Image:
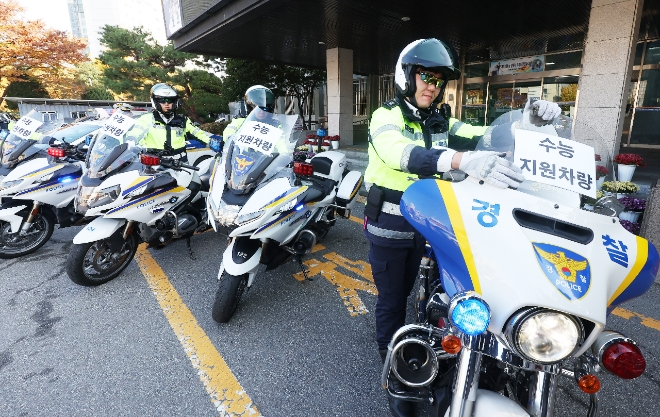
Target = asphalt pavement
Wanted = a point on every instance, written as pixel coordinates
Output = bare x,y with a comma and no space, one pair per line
145,344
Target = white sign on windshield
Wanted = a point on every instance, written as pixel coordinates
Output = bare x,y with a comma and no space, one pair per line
25,127
258,136
118,125
556,161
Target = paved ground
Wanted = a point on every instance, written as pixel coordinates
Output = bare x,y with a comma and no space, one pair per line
145,344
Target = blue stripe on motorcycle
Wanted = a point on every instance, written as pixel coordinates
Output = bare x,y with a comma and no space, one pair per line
146,197
641,276
431,208
135,187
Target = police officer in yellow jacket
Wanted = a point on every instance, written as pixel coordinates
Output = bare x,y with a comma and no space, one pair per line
410,137
255,96
162,128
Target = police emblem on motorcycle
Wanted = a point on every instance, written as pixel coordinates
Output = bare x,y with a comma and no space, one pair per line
567,270
242,164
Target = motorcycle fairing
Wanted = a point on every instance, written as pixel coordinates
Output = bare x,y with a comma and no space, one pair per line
100,228
9,213
139,200
481,247
139,182
640,277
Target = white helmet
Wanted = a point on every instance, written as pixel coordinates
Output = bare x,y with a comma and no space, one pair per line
431,54
163,93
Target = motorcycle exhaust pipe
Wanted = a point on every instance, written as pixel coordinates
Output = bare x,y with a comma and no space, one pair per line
305,242
411,355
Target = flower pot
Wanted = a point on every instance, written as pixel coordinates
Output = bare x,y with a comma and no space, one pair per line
631,216
626,172
325,147
599,182
311,148
335,144
621,195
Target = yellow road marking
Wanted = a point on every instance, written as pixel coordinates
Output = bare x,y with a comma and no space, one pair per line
346,286
646,321
227,395
357,220
317,247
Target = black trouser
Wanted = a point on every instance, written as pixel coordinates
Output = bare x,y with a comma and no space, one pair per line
394,270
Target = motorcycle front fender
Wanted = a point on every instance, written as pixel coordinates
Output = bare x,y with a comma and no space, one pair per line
9,213
241,256
99,229
491,404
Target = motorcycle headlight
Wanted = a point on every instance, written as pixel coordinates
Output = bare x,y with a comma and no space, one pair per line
226,214
248,217
544,336
104,196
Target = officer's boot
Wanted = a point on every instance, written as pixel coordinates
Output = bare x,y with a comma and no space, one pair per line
398,407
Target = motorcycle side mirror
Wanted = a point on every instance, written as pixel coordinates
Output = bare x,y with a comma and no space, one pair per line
609,206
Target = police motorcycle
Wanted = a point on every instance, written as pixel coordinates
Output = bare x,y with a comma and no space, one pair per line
39,174
271,207
133,194
516,286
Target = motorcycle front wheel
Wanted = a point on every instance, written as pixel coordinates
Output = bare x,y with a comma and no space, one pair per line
228,295
13,245
95,263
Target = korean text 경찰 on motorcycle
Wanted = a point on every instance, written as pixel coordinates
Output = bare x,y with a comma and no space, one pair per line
516,286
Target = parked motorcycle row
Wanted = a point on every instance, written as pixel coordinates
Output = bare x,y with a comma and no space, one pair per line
514,291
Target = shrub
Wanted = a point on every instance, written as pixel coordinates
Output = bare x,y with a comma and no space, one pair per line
633,204
601,171
624,187
630,159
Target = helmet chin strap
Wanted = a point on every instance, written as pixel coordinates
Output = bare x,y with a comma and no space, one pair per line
165,118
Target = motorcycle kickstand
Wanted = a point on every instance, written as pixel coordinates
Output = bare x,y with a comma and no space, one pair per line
192,255
302,267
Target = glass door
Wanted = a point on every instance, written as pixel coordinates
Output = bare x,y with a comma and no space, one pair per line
500,100
524,90
474,104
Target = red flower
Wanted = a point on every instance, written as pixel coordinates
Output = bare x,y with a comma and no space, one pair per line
630,159
597,157
601,171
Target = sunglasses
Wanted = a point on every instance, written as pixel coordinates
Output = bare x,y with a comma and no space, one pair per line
168,100
431,79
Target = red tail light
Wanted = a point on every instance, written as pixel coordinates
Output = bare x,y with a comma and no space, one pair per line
56,152
624,360
149,160
302,168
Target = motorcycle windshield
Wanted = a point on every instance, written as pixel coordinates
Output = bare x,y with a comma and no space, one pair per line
72,133
27,130
110,152
264,141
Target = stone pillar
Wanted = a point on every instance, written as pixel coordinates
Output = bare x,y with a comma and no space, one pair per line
606,67
340,94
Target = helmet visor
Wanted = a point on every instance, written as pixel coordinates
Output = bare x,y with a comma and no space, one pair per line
432,54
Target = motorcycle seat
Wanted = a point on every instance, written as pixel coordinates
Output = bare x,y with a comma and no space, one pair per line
205,180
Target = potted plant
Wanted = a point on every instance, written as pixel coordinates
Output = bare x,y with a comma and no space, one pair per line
601,173
633,208
325,145
627,162
311,142
632,227
619,188
334,141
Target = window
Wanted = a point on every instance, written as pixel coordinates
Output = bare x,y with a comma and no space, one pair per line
652,53
48,116
359,95
562,61
476,70
78,114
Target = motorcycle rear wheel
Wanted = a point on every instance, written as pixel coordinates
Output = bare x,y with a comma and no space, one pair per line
229,294
94,263
13,245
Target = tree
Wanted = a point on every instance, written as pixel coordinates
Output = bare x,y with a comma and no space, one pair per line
97,93
134,62
28,88
203,91
29,50
300,83
281,79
